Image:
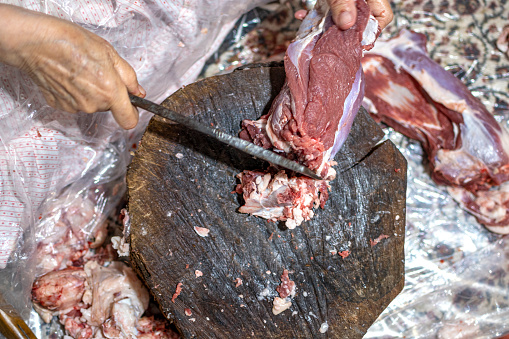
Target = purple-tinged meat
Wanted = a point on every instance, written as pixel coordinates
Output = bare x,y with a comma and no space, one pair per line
311,117
467,148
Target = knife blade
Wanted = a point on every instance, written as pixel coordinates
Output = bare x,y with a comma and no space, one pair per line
238,143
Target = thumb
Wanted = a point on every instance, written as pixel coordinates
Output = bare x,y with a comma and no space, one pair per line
344,13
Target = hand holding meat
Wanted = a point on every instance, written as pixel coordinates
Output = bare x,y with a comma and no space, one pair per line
75,69
344,12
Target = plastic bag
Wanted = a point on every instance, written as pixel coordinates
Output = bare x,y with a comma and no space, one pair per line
44,151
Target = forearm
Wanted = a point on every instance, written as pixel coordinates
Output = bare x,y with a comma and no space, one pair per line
17,24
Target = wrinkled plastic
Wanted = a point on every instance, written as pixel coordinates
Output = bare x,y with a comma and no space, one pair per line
49,155
457,272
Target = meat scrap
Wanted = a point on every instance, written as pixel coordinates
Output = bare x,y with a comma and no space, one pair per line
344,254
201,231
68,232
468,150
503,40
177,292
286,291
238,282
311,117
287,287
97,301
280,305
378,239
59,290
274,196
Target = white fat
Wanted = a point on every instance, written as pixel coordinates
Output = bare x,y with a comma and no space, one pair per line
107,286
274,139
120,245
281,305
324,327
369,106
369,34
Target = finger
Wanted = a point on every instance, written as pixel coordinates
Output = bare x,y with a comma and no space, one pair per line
381,10
344,13
128,76
125,114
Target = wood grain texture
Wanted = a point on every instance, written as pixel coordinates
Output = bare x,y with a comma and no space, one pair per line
180,179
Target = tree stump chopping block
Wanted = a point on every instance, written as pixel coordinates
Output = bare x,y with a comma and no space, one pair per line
347,262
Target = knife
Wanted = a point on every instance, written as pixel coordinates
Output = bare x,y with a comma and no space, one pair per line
238,143
12,325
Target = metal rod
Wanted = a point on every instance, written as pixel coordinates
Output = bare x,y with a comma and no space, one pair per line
238,143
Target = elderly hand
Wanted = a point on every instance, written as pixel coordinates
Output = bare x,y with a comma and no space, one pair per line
344,12
75,69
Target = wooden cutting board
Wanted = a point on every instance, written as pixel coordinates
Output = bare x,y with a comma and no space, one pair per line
179,179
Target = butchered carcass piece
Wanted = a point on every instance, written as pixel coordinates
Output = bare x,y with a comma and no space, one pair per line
467,148
67,232
59,290
311,117
274,196
116,294
97,301
150,328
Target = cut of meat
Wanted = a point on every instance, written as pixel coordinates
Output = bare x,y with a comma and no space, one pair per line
467,148
311,117
490,207
98,302
59,290
274,196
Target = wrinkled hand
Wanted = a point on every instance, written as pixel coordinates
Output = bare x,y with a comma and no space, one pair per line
344,12
75,69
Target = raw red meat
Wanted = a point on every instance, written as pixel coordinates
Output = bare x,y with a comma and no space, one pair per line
467,148
311,117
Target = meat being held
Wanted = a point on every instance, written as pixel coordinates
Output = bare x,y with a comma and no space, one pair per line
468,150
311,117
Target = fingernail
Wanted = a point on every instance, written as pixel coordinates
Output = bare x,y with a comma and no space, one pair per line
345,19
142,91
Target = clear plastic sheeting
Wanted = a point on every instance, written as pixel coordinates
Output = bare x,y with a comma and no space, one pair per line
46,154
457,272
